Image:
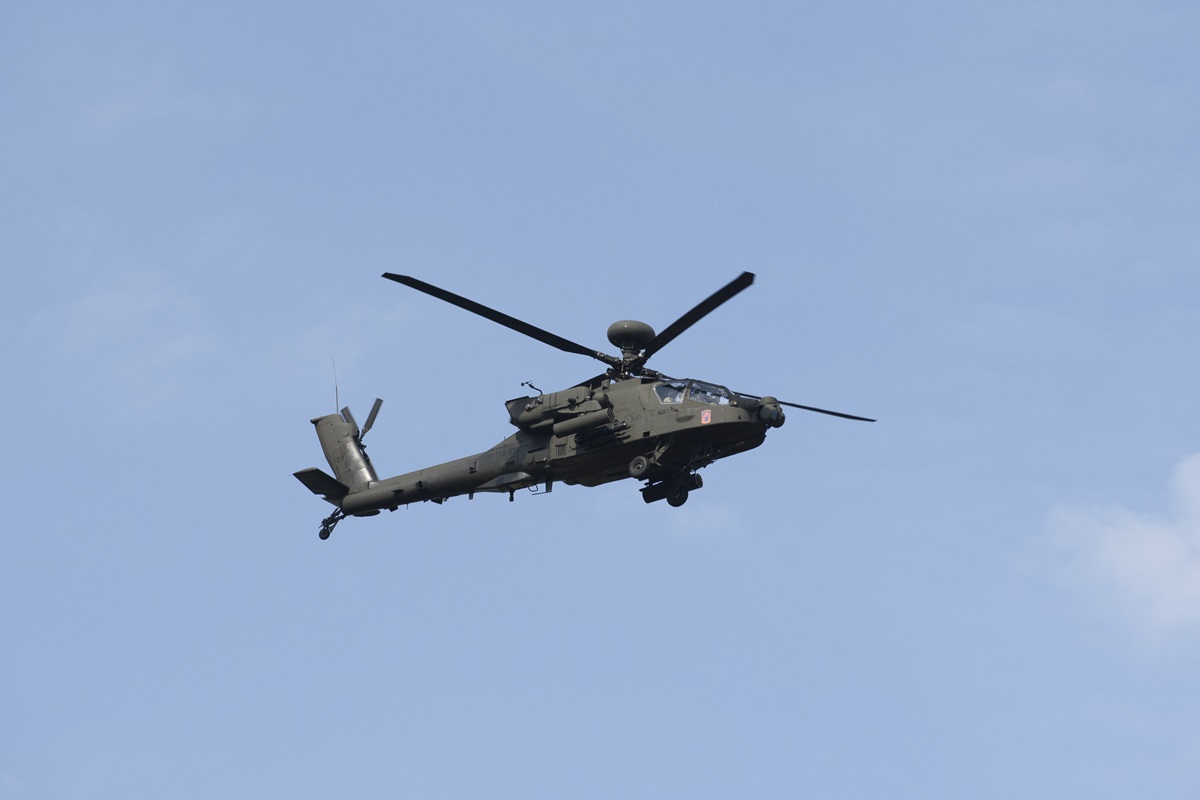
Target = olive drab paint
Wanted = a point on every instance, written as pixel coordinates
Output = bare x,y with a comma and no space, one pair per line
629,422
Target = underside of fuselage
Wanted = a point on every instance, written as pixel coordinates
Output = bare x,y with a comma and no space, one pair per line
674,453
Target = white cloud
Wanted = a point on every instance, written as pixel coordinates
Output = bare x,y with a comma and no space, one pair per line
1148,565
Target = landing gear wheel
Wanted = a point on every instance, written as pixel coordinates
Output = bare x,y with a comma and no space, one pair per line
678,498
330,522
639,467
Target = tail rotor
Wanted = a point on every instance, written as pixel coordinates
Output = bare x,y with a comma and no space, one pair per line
342,441
359,434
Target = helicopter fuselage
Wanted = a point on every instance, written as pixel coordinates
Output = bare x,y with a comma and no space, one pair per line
659,431
630,422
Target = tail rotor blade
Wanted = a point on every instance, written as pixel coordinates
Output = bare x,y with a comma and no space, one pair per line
371,417
346,415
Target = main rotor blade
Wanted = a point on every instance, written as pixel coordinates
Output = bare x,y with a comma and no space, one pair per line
826,411
814,408
698,313
513,323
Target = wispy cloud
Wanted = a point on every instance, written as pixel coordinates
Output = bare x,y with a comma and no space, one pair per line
1147,565
126,101
704,517
139,340
707,519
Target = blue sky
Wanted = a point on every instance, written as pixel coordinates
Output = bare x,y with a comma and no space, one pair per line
973,221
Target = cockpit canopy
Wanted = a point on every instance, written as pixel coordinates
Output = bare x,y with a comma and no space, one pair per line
674,392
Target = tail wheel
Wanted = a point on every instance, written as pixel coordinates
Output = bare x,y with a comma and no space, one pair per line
676,499
330,522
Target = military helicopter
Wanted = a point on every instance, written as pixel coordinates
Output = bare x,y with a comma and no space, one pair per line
627,422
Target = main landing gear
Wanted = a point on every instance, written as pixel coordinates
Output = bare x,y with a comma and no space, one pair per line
639,467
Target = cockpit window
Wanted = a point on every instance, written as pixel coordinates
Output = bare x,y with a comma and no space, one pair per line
709,393
670,393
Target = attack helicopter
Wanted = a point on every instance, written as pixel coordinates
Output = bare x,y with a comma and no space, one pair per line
627,422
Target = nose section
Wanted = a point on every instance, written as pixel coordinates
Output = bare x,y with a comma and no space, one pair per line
771,413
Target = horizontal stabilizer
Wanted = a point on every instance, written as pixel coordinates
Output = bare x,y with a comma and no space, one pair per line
322,483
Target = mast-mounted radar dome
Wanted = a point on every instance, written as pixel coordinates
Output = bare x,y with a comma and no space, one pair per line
630,335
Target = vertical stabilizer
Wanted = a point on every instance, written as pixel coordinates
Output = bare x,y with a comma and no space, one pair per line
341,441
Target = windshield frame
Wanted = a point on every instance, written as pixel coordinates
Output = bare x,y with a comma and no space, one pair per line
677,391
709,394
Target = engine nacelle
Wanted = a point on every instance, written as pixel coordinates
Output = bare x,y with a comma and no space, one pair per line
584,422
545,410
